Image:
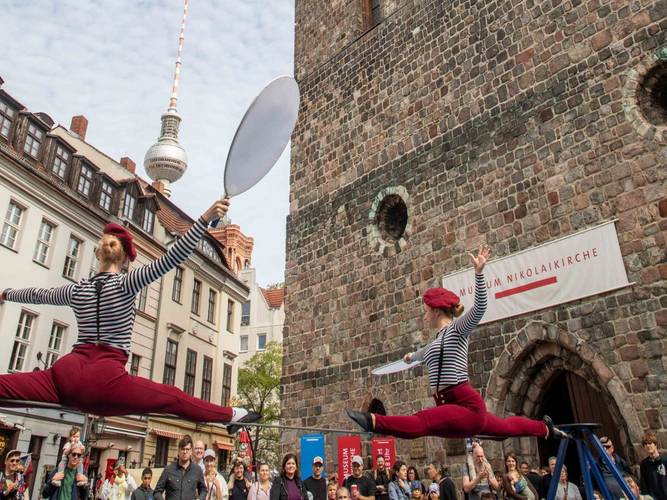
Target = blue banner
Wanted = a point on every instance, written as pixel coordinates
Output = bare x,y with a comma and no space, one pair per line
312,445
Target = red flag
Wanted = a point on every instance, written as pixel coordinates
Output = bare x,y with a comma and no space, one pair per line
385,447
348,447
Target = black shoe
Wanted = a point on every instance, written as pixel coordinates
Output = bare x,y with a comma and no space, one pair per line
377,407
362,419
251,417
554,432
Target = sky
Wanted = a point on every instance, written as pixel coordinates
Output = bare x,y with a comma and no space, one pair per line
113,62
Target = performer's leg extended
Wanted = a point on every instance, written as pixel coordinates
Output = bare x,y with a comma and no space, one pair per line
512,427
29,386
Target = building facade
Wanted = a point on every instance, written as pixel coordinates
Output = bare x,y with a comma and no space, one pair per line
56,193
429,127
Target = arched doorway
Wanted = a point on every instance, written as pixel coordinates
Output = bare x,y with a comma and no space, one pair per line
569,398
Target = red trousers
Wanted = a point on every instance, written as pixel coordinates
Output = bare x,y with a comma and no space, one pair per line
461,413
93,379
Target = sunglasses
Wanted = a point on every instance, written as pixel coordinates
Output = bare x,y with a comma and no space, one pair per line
14,460
317,465
75,455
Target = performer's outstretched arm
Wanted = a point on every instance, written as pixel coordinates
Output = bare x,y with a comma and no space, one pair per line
59,296
138,278
471,318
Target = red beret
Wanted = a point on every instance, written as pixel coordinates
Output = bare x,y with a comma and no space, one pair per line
125,239
440,298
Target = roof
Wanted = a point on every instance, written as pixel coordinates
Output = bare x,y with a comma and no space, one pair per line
274,297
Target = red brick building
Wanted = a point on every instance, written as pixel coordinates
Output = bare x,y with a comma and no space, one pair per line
428,127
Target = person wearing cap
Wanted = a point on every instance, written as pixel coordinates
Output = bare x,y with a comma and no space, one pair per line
69,489
361,486
316,484
92,378
216,486
12,480
460,410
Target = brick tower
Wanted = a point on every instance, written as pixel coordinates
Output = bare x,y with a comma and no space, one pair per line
430,126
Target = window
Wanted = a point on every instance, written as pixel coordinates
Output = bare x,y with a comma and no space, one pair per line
106,195
44,238
10,229
245,314
230,315
128,206
134,364
212,300
190,372
207,377
60,161
149,221
6,119
226,384
170,357
72,257
244,343
33,140
178,284
261,341
196,294
161,452
55,343
85,180
141,299
21,341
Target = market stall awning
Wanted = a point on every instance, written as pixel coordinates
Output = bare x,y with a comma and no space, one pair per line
165,433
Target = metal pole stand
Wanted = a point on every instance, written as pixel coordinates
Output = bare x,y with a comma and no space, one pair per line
585,439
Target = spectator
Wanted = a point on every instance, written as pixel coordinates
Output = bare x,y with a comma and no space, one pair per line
613,486
487,495
416,492
120,486
12,481
332,487
216,486
316,484
433,492
515,484
144,491
261,490
567,490
634,487
360,486
238,484
181,478
288,486
546,478
342,493
198,453
382,479
242,456
399,487
478,476
413,479
436,473
74,437
531,475
68,489
653,469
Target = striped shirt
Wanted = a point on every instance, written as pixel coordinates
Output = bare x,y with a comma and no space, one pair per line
452,343
117,296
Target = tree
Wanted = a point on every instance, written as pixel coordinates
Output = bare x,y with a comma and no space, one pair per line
259,390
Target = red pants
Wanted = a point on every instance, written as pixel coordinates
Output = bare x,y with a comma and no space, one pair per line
93,379
461,413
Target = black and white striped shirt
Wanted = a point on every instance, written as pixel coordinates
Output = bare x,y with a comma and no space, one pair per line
117,296
453,339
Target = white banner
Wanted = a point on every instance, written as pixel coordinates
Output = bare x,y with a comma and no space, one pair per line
570,268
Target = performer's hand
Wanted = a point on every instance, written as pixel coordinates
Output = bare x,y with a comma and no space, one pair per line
408,358
217,210
483,255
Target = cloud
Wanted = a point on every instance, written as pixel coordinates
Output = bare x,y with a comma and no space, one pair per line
113,61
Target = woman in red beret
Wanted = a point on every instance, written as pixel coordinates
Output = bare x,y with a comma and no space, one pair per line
92,378
460,411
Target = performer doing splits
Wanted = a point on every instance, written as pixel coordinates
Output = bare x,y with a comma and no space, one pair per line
460,410
92,378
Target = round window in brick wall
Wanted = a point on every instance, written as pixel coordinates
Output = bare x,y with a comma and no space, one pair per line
645,98
652,95
389,225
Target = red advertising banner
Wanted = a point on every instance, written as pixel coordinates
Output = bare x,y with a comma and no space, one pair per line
348,447
386,448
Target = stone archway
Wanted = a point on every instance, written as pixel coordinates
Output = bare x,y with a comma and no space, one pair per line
526,367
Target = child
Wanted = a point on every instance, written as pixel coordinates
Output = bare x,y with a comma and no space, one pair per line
74,437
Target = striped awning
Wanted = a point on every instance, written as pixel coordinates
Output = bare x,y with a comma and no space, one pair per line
220,445
165,434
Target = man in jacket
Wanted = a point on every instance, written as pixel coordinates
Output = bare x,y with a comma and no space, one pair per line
68,489
182,479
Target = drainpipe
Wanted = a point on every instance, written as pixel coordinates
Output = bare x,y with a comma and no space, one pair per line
157,329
